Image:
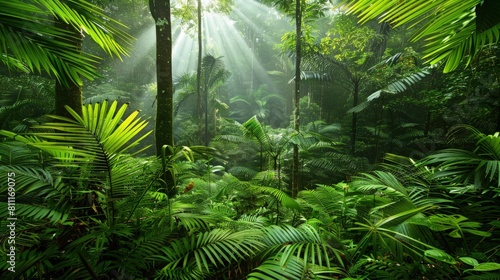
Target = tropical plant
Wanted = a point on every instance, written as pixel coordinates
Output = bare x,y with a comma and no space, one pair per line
214,74
454,30
47,36
28,35
479,168
266,106
271,144
324,159
100,227
82,185
184,11
296,253
399,84
470,178
345,52
25,100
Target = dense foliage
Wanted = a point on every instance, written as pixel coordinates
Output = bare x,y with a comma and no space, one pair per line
399,159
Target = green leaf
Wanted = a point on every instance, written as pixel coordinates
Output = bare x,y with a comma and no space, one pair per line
455,234
487,266
469,261
495,223
477,232
439,255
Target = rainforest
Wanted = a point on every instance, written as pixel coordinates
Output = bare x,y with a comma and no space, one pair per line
249,139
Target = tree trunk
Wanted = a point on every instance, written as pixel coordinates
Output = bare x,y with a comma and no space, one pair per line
69,93
205,92
296,115
198,73
164,132
354,123
164,111
164,107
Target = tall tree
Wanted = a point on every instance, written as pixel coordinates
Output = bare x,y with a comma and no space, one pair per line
298,9
346,53
296,111
294,8
198,73
161,12
184,11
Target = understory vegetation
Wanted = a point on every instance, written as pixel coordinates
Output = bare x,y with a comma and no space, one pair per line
92,209
360,150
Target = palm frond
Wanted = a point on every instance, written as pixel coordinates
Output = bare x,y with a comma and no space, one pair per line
281,196
18,153
95,143
324,199
29,262
273,268
398,86
214,72
85,15
32,42
210,250
480,167
386,240
29,179
453,29
303,242
253,129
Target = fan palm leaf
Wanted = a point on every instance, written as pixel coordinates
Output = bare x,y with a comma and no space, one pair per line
95,143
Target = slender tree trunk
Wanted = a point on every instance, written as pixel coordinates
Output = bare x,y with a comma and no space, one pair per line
354,122
160,10
69,94
296,115
198,72
164,107
205,92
